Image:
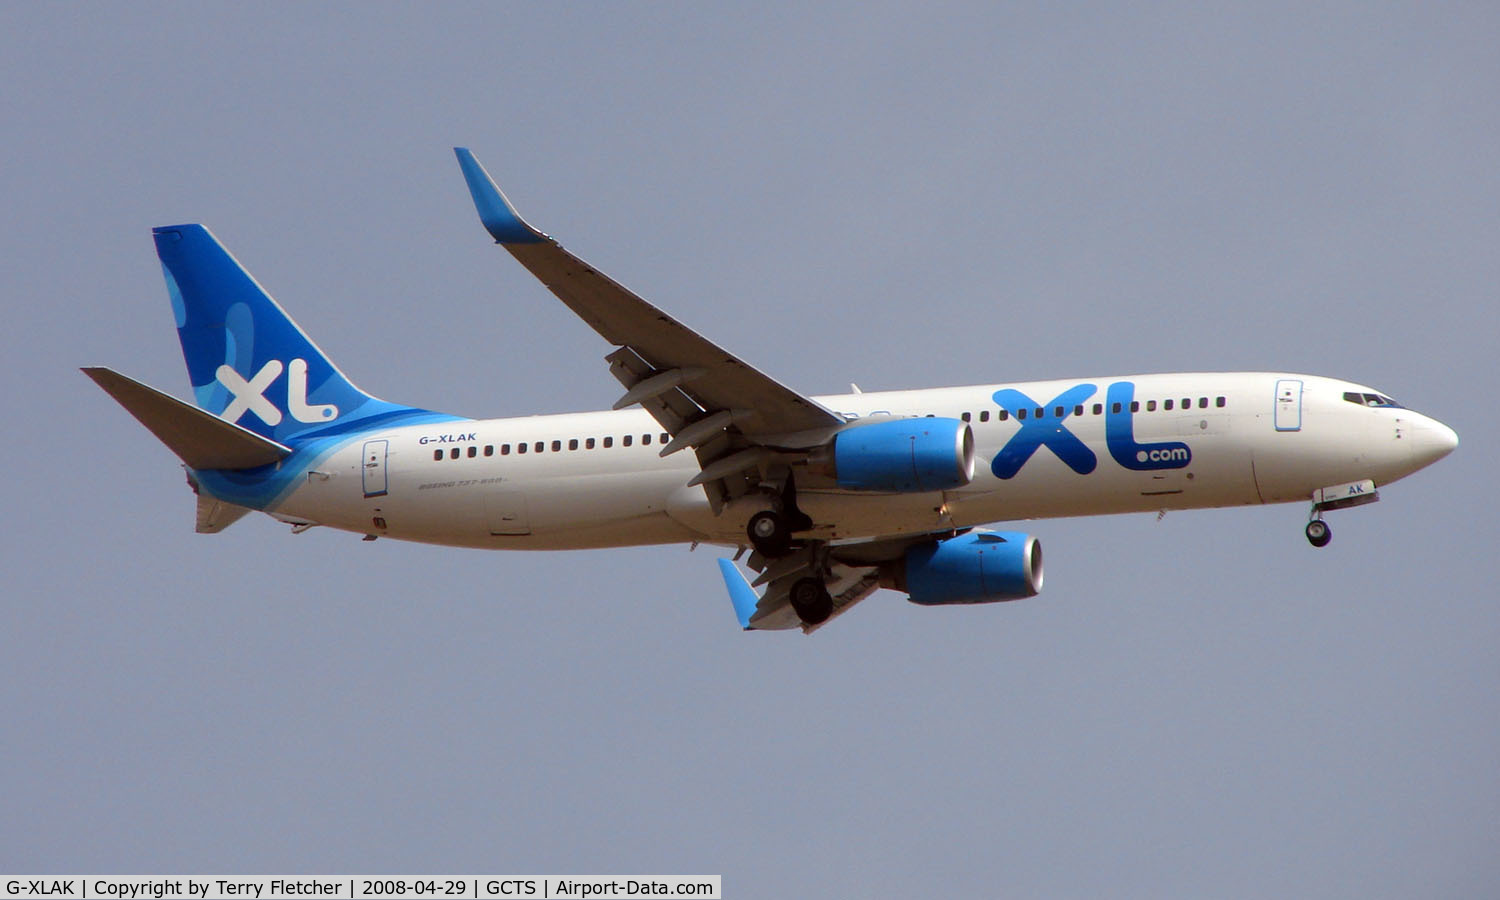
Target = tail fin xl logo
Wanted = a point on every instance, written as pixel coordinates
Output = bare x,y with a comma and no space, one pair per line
1042,425
250,396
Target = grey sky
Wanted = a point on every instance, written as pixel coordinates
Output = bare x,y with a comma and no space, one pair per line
901,196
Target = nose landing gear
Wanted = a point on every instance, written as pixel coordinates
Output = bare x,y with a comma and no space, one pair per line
1340,496
1318,534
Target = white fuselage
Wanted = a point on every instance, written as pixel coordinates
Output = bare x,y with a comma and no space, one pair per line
598,479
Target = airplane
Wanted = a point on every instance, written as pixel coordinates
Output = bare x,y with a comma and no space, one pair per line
832,497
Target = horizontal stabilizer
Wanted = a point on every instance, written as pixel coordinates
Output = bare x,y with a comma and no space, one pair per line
215,515
201,440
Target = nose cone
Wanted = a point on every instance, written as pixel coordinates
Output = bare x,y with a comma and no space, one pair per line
1431,441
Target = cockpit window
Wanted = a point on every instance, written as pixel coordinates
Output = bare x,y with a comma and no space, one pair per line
1371,400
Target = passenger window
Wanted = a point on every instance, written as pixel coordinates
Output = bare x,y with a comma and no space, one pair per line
1041,412
588,444
1150,406
539,446
1021,414
1057,411
664,437
1004,414
473,452
1187,402
626,440
1203,403
453,454
1114,407
505,449
437,454
1135,406
964,416
556,446
1219,402
1167,405
520,448
573,444
645,440
984,415
609,442
489,449
1078,410
1098,408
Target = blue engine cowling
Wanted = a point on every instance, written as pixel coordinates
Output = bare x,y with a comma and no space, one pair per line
978,567
904,455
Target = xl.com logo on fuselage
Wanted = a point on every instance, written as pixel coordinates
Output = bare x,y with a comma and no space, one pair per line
1174,458
1050,432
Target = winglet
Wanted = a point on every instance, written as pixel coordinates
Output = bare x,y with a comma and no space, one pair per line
500,219
740,593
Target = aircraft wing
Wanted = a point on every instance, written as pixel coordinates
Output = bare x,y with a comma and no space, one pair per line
703,396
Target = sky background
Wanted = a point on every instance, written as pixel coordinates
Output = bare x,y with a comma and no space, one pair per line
896,195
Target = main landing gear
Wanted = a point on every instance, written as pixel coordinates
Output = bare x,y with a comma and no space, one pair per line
811,600
770,530
770,534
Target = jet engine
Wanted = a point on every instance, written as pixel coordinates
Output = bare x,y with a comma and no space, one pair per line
900,456
978,567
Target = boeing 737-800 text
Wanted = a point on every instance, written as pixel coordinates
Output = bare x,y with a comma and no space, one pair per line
833,496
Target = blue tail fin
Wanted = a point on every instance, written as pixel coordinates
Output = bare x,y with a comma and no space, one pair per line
248,361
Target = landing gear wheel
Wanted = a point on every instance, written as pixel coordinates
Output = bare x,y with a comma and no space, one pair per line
811,600
1318,534
769,533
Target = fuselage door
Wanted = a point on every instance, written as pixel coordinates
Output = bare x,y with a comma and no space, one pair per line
1289,404
374,468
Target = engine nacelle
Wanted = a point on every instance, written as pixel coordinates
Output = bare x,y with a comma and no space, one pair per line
902,456
978,567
